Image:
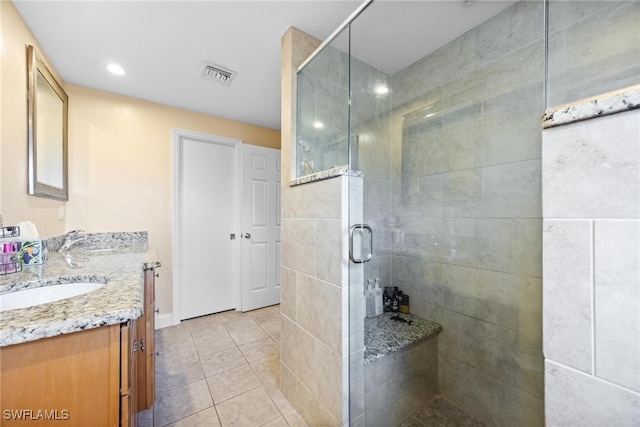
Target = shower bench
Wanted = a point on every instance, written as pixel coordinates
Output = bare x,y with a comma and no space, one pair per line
401,366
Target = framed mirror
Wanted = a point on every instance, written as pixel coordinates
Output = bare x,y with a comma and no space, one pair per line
47,105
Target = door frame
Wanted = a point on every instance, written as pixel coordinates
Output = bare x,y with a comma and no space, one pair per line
178,136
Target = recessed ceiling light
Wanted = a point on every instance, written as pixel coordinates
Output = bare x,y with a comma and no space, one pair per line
115,69
318,125
381,90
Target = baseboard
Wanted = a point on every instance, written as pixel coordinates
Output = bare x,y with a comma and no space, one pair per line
164,320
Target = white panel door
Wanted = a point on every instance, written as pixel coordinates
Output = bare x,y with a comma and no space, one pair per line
209,215
260,227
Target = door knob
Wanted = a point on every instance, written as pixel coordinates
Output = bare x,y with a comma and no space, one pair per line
247,235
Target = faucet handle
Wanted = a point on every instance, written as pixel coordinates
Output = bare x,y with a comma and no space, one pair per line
74,232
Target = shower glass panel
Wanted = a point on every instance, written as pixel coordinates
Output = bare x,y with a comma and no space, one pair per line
323,110
594,48
448,126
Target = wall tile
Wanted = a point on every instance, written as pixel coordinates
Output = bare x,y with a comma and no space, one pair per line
508,190
322,315
610,189
356,385
287,382
300,256
508,31
320,199
576,399
505,354
329,249
614,56
299,353
567,293
461,385
508,245
450,61
418,278
310,408
329,378
357,313
494,297
617,301
508,130
497,404
288,293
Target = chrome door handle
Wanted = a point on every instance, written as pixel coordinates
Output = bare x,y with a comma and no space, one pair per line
369,253
247,235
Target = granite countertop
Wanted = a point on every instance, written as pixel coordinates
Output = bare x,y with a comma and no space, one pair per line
120,300
597,106
383,335
325,174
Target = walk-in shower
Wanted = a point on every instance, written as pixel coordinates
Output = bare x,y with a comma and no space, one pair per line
433,110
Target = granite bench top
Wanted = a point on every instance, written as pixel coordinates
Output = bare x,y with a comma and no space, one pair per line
382,335
120,300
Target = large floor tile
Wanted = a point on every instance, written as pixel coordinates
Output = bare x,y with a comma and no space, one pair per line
206,418
181,402
221,361
232,383
235,412
259,349
268,369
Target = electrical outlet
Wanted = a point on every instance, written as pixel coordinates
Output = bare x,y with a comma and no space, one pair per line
62,212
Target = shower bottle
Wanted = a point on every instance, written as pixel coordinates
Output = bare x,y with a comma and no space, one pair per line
377,295
369,299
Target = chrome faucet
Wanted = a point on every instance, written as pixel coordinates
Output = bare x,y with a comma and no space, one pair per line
70,239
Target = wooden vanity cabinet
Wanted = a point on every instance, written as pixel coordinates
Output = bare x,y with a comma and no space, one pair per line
79,379
145,359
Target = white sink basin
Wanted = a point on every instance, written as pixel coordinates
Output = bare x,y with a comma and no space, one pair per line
45,294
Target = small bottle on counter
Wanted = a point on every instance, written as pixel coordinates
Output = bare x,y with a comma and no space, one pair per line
387,298
377,294
370,299
395,301
404,304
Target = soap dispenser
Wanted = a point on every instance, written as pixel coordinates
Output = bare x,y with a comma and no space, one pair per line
370,299
377,294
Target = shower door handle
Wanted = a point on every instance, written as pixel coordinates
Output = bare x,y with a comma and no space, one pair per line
369,253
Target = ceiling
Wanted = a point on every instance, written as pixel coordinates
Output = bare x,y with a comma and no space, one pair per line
162,44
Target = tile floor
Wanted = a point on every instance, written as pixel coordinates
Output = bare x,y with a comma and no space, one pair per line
221,370
224,370
439,412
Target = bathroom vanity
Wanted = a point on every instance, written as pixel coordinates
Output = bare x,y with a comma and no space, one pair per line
84,360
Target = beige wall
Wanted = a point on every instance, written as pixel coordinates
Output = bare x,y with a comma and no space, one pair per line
15,204
120,157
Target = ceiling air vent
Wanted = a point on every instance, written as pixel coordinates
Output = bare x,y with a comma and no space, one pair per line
217,73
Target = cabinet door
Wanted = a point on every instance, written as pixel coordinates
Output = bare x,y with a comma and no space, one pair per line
71,380
129,347
146,332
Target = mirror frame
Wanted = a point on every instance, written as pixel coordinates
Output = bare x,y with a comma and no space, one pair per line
36,67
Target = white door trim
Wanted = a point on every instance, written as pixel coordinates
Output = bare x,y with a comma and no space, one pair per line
177,138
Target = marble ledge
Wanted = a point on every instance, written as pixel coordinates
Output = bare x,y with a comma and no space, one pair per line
383,336
597,106
325,174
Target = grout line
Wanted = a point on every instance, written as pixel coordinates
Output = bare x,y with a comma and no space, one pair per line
592,285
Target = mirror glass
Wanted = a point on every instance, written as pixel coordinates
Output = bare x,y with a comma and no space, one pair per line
47,133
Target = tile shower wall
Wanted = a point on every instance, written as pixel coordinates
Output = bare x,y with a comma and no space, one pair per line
314,295
594,48
592,270
465,227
